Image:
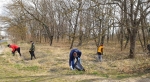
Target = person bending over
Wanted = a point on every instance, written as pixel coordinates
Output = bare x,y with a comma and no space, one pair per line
74,54
14,48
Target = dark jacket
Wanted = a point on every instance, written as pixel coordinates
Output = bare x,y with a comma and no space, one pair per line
148,47
71,57
32,48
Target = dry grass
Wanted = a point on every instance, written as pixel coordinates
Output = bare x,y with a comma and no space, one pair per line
51,64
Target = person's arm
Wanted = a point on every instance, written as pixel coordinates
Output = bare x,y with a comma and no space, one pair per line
13,52
102,50
71,67
79,56
79,59
13,48
31,48
71,60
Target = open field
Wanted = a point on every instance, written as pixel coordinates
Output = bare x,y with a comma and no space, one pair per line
51,64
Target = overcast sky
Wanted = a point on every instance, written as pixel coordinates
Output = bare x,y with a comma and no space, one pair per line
2,12
2,4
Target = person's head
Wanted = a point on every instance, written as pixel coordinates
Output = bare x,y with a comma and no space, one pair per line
8,45
75,54
31,41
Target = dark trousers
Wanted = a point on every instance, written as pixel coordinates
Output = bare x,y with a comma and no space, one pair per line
32,54
18,50
99,56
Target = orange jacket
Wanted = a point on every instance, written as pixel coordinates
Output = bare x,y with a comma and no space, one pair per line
100,49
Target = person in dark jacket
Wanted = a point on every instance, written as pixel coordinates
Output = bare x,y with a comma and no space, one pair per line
32,49
14,48
148,48
74,54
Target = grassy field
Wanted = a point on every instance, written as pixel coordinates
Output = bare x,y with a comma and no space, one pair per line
51,64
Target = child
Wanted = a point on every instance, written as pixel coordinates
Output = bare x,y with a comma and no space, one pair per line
32,49
100,52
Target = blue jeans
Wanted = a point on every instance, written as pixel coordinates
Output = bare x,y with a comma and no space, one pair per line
100,57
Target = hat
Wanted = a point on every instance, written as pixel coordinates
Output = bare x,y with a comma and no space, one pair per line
8,45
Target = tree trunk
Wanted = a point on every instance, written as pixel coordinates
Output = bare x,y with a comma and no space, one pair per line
103,38
75,26
132,42
108,34
140,41
121,37
80,38
49,34
127,40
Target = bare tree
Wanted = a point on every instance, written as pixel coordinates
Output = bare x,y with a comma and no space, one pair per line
133,16
43,22
17,24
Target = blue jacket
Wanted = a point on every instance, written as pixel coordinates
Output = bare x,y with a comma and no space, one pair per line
72,58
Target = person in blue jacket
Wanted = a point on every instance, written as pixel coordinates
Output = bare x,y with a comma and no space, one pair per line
74,54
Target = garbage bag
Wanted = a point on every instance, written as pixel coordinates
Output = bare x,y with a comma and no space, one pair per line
78,66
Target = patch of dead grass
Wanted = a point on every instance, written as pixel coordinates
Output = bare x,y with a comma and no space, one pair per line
53,60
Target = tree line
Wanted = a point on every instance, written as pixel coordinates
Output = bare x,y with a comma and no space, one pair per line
100,21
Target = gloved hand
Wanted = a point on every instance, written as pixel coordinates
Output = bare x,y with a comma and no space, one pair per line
13,53
79,59
71,67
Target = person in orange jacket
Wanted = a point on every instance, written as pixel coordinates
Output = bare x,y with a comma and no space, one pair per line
100,52
14,48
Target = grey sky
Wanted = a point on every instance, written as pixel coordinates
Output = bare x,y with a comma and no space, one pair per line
2,12
2,4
